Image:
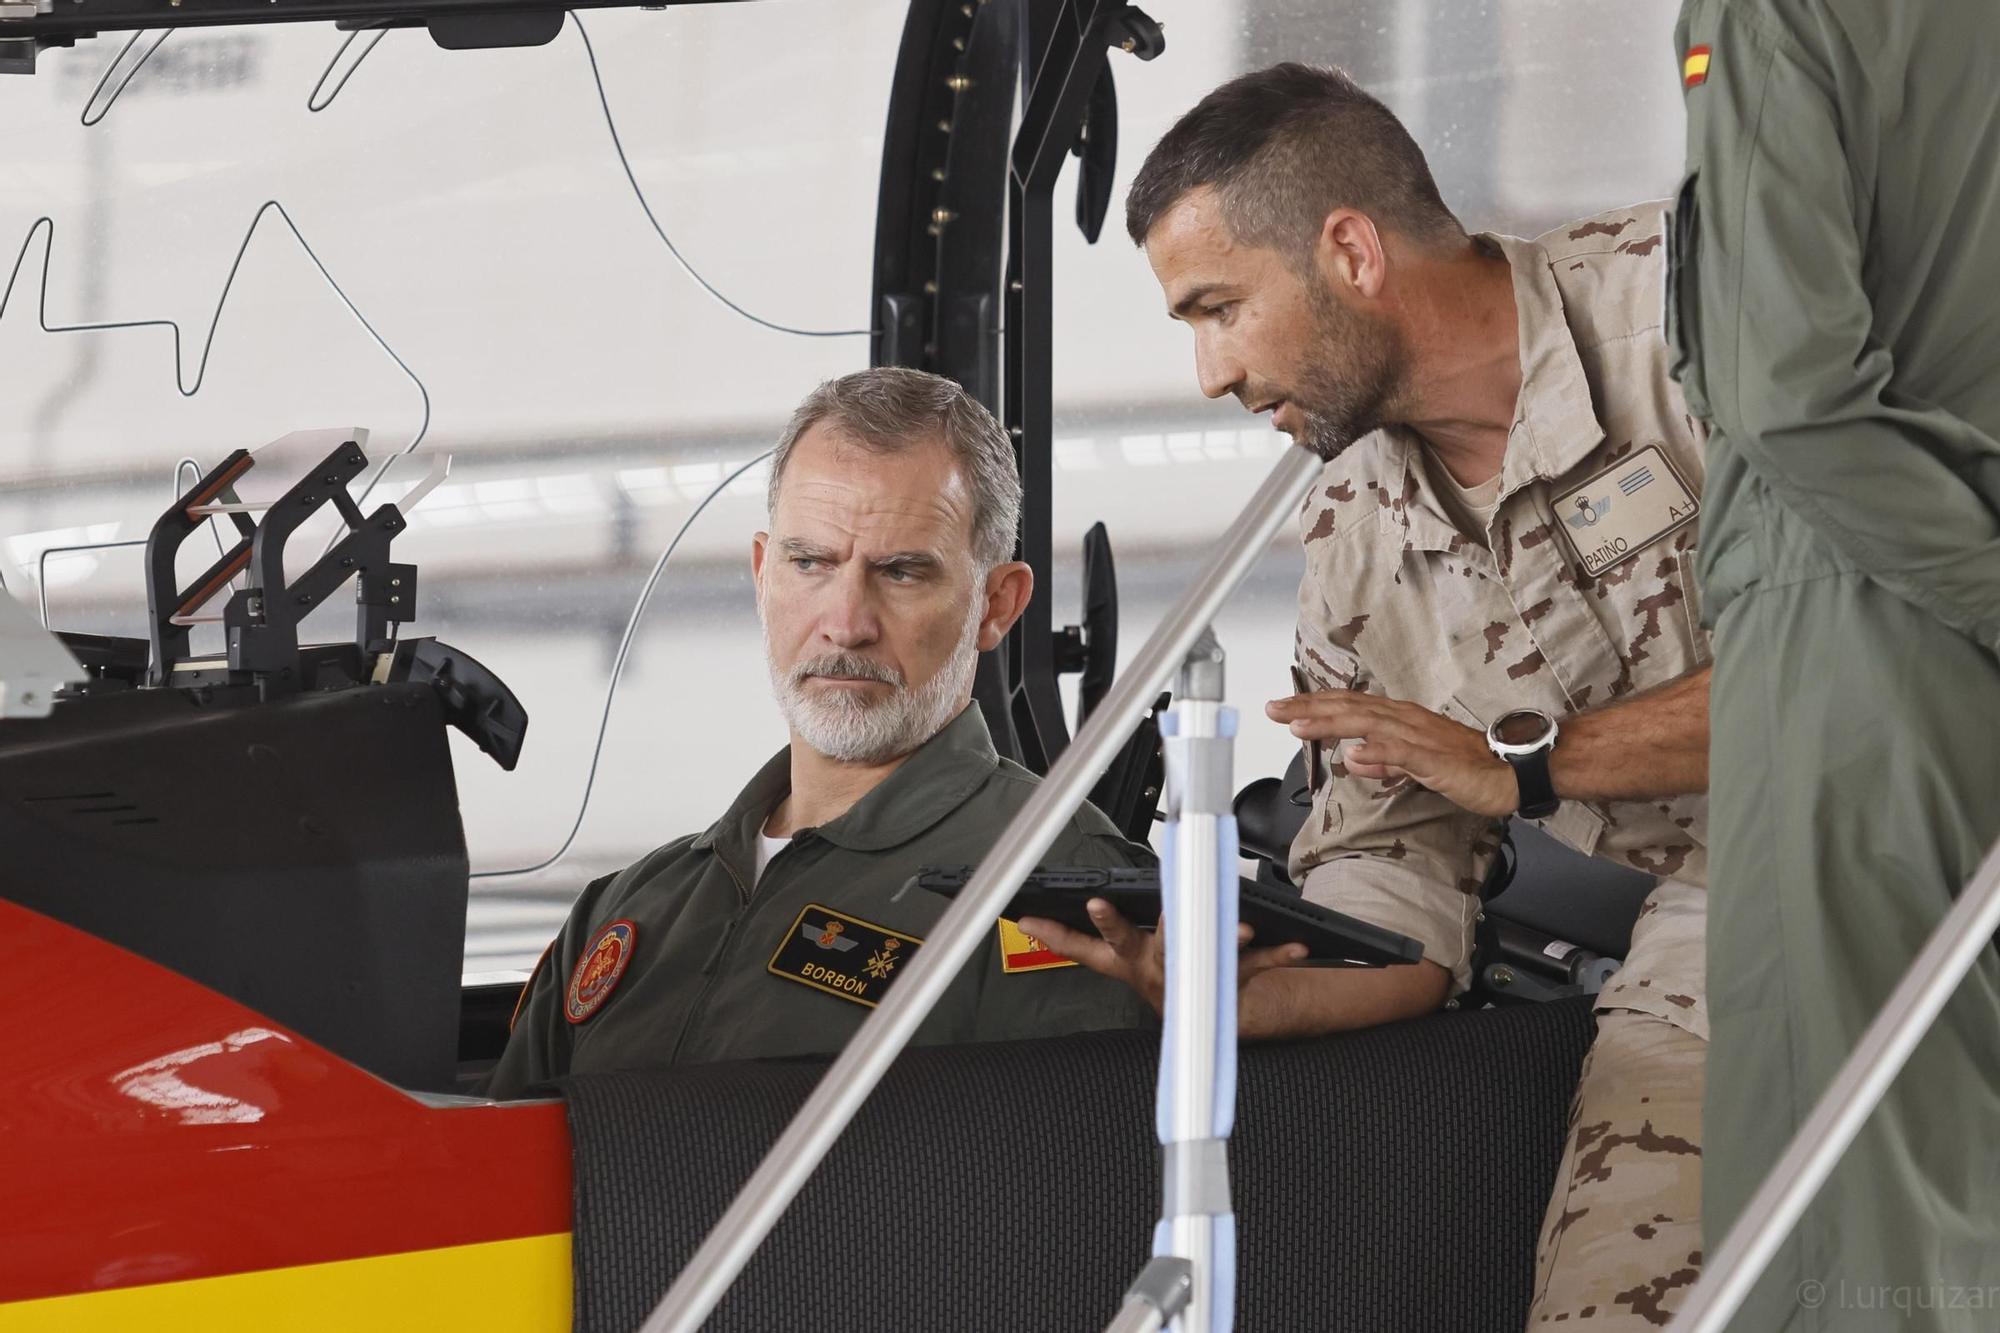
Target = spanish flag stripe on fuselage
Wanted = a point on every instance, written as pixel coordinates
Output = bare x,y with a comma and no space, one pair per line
496,1287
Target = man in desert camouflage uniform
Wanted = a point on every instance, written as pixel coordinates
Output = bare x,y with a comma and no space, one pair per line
1505,522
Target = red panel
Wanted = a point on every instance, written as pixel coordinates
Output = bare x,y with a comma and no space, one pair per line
151,1130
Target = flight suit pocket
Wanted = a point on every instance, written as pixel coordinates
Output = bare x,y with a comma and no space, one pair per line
1683,234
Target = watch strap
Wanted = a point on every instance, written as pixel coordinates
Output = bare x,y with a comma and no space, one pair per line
1538,791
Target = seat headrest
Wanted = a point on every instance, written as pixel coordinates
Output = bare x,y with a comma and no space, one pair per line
1271,811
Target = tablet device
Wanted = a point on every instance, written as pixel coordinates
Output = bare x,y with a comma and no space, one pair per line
1277,915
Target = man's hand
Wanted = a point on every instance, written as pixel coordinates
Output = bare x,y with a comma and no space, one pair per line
1394,739
1138,958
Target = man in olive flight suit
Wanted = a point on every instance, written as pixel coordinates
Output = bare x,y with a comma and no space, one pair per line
1834,304
894,502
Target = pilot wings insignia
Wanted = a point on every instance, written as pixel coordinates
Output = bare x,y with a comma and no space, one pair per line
1588,511
827,935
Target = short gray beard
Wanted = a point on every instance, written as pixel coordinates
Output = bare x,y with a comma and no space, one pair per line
852,730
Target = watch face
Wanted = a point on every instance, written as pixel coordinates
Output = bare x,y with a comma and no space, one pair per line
1522,727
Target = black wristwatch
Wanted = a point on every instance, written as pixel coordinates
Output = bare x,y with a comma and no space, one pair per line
1524,739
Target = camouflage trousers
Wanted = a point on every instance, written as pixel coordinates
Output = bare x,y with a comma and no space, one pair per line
1621,1243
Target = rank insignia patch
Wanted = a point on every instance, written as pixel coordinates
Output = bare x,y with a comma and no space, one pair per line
598,968
842,955
1694,70
1622,510
1022,952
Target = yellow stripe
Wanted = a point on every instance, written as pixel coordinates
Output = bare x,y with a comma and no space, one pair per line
497,1287
1697,64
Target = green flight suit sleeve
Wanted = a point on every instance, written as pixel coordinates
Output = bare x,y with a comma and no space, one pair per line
538,1047
1775,325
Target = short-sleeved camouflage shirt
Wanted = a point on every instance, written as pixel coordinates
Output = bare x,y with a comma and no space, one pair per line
1551,613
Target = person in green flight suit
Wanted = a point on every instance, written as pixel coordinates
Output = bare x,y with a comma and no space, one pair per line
1834,309
887,569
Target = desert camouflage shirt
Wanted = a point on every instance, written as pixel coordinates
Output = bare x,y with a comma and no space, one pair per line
1584,594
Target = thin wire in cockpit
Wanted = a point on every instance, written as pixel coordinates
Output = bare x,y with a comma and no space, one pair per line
221,302
313,104
618,146
215,323
124,83
230,282
618,671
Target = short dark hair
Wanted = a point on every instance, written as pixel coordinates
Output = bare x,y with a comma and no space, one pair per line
1285,146
890,408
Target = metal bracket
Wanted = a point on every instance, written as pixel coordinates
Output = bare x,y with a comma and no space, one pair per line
28,25
33,663
1156,1297
1196,1176
1070,54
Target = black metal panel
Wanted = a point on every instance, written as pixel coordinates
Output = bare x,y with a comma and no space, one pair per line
912,151
1068,52
87,18
303,857
943,193
939,227
971,228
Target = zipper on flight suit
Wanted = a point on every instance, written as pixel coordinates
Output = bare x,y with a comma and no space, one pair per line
712,969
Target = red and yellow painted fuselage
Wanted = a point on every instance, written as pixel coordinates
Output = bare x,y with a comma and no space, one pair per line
170,1159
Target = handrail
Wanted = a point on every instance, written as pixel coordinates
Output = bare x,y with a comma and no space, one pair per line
1960,939
882,1036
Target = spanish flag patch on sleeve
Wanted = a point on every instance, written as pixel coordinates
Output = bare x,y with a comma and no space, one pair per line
1022,952
1694,69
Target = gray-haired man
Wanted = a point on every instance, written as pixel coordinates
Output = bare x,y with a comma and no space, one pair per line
894,501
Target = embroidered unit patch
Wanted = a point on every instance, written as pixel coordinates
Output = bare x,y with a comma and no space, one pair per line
598,968
841,954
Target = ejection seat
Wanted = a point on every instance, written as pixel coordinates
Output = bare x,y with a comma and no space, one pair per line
1555,922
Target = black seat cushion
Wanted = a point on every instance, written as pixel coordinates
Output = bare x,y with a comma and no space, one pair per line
1388,1180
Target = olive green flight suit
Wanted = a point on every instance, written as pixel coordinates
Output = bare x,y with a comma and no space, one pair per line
1834,305
725,966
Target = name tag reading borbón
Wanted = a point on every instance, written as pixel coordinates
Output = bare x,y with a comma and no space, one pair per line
1622,510
841,954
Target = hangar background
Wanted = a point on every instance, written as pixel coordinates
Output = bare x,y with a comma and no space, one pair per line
470,207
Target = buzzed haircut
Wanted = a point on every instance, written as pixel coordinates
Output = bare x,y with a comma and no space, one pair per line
1284,147
889,409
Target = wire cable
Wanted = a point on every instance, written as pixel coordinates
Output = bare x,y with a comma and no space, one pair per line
126,82
618,146
618,671
313,102
221,302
